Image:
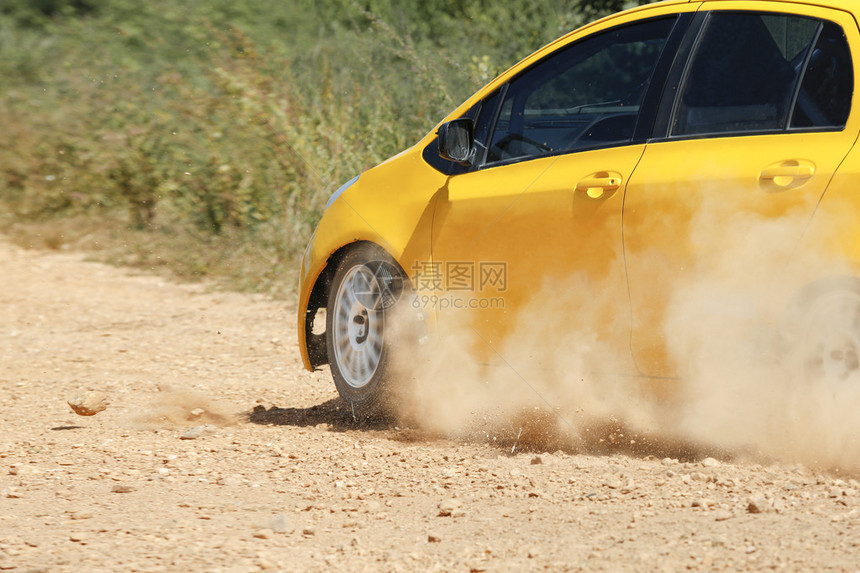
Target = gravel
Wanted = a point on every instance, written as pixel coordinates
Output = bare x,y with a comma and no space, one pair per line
217,452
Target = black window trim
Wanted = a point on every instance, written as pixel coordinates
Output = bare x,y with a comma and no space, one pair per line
494,120
672,86
654,95
803,71
651,103
677,76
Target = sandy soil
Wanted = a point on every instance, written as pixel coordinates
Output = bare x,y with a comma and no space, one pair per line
217,452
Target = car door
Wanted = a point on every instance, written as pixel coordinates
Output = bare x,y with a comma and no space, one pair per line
751,129
534,229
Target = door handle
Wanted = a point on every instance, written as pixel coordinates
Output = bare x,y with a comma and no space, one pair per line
599,185
786,174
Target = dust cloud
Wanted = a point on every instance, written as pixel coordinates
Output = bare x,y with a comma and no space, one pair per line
183,407
736,335
738,331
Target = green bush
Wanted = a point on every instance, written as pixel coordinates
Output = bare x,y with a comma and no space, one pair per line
218,129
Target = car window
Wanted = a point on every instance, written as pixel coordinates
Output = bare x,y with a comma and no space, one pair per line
825,93
585,96
745,71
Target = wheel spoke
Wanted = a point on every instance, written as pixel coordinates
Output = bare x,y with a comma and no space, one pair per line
357,327
369,362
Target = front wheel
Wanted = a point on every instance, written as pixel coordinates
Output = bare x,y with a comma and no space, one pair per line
366,286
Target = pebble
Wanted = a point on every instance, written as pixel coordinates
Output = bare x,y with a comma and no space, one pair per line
613,483
280,524
89,404
198,432
758,504
451,508
23,470
704,503
78,537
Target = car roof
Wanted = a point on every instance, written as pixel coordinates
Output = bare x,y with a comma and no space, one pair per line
850,6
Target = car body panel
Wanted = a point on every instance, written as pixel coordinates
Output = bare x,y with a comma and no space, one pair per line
833,229
676,233
539,220
687,196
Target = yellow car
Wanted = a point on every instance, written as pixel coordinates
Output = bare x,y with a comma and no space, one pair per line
648,162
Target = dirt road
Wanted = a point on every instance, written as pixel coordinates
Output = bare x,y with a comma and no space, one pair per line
217,452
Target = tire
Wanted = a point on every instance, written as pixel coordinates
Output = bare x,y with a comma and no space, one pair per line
825,338
366,286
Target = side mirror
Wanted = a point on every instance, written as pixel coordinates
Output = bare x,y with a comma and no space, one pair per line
456,141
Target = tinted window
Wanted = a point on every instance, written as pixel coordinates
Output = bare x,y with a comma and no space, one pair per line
587,95
744,74
825,94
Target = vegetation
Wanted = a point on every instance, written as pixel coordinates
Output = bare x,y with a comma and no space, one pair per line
205,137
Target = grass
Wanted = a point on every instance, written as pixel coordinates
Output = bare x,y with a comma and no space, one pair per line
204,140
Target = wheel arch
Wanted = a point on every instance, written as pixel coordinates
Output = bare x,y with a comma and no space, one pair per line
313,346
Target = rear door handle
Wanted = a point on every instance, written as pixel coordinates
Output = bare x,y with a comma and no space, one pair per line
786,174
600,185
